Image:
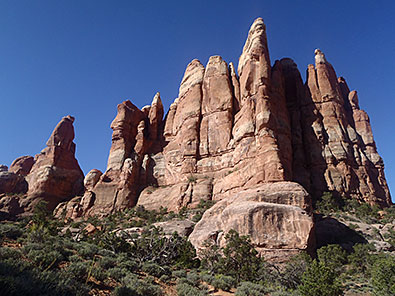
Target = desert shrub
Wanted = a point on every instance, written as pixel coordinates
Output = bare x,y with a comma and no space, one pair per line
11,231
250,289
19,278
383,276
291,276
333,256
360,259
203,206
185,289
210,256
165,278
43,218
9,253
193,278
206,277
197,217
110,241
117,273
98,273
223,282
237,259
155,269
320,280
179,273
284,292
107,262
87,250
389,216
126,262
78,270
329,203
44,258
131,285
154,246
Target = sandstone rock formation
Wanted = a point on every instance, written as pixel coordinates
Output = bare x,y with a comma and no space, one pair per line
12,183
22,165
249,139
56,175
225,133
274,215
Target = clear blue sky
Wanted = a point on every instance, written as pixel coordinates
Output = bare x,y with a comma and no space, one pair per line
83,57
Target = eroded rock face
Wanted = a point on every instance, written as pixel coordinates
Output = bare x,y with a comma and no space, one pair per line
12,183
340,152
274,215
242,139
226,133
56,175
22,165
135,133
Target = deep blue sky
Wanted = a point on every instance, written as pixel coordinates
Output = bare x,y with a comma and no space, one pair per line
83,57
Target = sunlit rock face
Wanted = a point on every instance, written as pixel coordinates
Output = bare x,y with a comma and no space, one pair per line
258,140
56,175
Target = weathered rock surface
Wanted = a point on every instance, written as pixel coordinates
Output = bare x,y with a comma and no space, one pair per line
22,165
12,183
92,178
226,133
274,215
10,206
56,175
244,138
182,227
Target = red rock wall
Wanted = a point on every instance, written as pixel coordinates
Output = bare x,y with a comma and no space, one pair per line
225,133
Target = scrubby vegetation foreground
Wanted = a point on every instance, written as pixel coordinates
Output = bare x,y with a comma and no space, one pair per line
43,256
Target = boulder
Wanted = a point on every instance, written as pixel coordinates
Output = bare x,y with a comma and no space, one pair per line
276,216
22,165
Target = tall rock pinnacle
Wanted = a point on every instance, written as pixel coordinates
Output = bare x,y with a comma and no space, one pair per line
56,175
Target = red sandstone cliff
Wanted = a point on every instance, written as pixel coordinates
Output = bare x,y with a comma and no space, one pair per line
250,140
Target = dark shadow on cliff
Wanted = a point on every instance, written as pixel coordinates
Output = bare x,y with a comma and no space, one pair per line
328,230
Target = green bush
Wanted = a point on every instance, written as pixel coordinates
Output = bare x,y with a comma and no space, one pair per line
329,203
117,273
11,231
9,253
291,276
223,282
185,289
361,259
155,269
240,259
333,256
383,276
250,289
78,270
320,280
131,285
179,273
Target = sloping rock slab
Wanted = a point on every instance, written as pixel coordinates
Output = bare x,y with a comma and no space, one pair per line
276,216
